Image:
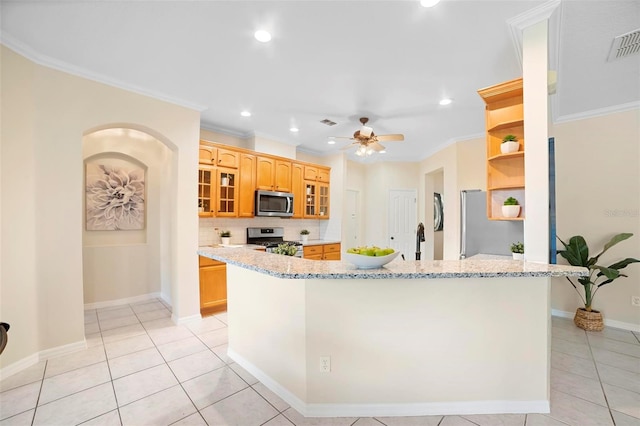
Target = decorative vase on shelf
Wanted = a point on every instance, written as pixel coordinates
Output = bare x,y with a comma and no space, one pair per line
225,240
510,146
511,211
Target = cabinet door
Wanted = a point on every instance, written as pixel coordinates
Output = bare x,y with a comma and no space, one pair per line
323,174
331,256
282,180
206,191
310,172
227,192
265,173
227,158
213,288
311,252
247,186
310,199
323,200
207,155
297,188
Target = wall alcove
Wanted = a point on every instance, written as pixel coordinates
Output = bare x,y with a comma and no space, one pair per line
128,264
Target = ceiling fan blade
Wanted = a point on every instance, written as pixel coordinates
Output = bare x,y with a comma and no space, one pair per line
377,147
390,138
341,137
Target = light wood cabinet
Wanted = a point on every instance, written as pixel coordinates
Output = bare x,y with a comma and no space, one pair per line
227,158
273,174
207,155
504,115
316,200
317,173
206,191
213,286
226,192
297,189
247,185
322,252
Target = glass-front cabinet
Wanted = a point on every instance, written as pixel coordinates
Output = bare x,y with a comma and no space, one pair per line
316,204
227,194
205,191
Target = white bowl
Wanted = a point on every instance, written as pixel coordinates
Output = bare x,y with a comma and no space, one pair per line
369,262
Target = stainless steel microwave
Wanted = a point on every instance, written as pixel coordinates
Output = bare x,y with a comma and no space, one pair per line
271,203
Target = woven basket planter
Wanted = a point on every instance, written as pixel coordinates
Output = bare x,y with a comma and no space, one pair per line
590,321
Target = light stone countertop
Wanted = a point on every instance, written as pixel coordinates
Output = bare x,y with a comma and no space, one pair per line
319,242
292,267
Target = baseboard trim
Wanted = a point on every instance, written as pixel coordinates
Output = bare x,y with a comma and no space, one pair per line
386,410
183,320
43,355
608,322
126,300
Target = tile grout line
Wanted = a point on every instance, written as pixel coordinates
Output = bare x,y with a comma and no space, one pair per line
106,357
604,394
35,409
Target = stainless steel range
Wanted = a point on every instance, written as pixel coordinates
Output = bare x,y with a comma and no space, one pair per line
270,238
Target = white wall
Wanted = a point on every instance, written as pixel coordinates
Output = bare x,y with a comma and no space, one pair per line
123,264
42,227
598,196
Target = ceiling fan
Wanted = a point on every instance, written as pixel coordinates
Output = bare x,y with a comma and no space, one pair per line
367,141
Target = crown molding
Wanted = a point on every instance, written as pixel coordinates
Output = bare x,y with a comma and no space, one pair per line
224,131
518,23
598,112
49,62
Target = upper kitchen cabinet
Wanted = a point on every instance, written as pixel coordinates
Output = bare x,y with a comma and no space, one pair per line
317,173
504,115
207,155
227,191
273,174
316,200
247,185
228,158
297,189
206,191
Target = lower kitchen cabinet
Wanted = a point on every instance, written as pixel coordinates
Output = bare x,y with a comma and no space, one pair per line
322,252
213,286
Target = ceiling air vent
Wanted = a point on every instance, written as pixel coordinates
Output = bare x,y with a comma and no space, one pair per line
625,45
328,122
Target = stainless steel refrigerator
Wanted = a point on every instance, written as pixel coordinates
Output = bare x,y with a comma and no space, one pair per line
479,235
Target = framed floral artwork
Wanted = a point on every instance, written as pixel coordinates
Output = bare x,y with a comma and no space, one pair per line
115,195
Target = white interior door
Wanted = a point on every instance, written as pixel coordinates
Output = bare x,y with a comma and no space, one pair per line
352,228
403,205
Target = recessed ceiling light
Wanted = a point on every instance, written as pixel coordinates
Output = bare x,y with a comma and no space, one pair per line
262,36
293,129
331,141
429,3
445,101
382,152
245,114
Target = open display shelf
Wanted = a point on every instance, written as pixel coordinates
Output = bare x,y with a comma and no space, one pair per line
504,115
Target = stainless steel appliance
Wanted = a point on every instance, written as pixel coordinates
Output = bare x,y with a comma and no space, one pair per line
270,238
481,235
271,203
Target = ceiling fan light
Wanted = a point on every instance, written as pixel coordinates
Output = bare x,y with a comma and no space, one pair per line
366,131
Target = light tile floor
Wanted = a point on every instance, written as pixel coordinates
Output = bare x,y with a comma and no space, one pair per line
141,369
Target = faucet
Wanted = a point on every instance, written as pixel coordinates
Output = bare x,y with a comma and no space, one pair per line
419,239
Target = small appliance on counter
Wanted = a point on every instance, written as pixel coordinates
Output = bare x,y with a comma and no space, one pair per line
270,238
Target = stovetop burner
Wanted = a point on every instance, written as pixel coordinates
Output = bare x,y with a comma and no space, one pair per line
268,237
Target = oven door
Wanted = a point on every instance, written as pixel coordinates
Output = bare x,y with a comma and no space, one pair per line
270,203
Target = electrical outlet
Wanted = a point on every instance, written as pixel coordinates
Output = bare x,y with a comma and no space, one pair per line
325,364
635,301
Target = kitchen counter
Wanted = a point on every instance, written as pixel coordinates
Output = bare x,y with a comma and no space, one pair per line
319,242
296,268
411,338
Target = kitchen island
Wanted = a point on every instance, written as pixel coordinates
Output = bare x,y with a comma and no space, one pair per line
412,338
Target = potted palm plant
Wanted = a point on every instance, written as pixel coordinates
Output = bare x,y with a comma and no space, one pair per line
576,252
509,144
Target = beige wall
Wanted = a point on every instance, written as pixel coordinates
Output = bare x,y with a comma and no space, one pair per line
598,195
42,217
217,137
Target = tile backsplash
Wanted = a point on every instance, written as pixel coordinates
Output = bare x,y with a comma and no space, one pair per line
210,228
